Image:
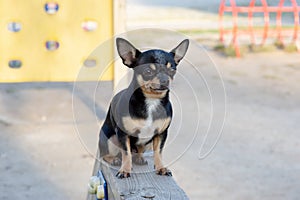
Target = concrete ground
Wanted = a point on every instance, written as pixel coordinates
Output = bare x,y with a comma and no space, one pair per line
49,131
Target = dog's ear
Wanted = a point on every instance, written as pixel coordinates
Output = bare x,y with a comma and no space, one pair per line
127,52
180,51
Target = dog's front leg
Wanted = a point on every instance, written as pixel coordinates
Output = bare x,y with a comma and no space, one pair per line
126,166
158,145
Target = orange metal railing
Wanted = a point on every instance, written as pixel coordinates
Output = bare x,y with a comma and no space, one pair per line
264,8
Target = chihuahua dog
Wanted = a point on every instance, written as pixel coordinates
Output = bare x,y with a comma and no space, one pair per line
140,115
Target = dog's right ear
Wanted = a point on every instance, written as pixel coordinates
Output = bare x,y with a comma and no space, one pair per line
180,51
127,52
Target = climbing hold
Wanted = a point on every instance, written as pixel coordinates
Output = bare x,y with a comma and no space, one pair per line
52,45
89,25
15,64
14,26
51,7
90,62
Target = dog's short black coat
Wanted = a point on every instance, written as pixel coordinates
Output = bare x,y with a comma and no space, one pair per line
141,114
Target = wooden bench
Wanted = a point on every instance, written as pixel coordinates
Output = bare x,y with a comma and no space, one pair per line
144,183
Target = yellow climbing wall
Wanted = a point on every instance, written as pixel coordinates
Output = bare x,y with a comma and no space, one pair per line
53,40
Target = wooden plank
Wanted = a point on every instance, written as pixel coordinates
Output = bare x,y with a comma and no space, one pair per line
144,183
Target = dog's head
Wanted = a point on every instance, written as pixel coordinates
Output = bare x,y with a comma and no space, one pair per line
153,69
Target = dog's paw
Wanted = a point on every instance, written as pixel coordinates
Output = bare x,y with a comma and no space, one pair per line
122,174
116,162
139,160
164,172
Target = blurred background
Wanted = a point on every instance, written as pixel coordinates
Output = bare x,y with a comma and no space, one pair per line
58,72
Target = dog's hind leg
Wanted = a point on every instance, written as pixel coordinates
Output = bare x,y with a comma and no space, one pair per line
108,143
109,148
114,155
138,158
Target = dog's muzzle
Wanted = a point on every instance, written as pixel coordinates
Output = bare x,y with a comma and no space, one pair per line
159,87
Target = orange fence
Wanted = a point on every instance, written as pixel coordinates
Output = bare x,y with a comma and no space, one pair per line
267,31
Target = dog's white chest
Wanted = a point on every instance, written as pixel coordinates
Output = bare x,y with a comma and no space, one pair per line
145,129
149,126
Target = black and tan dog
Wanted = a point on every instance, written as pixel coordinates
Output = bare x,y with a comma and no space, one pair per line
139,116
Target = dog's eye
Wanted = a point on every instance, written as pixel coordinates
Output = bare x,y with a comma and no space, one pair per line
148,72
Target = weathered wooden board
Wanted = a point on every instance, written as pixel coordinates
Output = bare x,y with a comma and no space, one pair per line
144,183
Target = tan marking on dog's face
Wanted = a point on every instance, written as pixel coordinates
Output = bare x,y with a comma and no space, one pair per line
154,81
169,65
153,66
147,85
154,94
140,80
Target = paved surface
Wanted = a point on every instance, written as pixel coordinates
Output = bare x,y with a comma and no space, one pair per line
47,142
257,157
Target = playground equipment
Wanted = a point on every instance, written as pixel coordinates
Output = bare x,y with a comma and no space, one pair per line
53,40
268,32
144,183
98,186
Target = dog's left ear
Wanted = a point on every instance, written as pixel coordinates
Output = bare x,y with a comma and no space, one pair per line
180,51
127,52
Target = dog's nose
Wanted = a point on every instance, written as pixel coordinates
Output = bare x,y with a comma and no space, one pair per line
164,80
